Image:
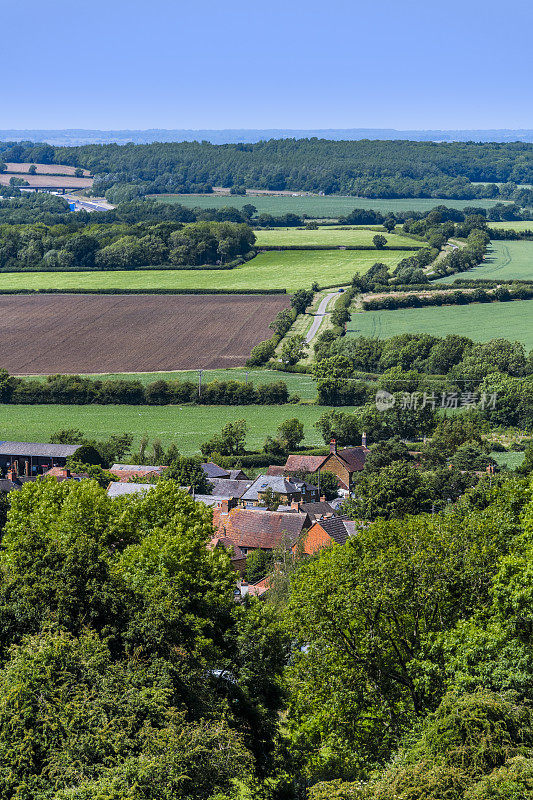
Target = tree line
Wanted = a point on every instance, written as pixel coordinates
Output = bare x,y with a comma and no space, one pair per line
365,168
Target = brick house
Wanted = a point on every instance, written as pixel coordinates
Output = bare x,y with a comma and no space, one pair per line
325,532
289,491
342,463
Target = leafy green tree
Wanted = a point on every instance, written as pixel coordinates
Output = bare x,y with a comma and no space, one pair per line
379,241
390,493
32,169
384,453
369,614
339,425
293,349
187,471
258,565
301,299
291,433
231,440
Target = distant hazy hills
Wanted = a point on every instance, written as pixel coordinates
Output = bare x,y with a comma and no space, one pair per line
79,136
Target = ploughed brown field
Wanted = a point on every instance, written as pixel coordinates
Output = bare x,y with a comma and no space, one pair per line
44,169
43,334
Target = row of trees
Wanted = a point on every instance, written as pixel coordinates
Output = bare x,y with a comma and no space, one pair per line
81,390
122,246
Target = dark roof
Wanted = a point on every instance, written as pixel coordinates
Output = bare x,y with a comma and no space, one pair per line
18,481
259,529
276,483
298,463
338,528
223,487
317,510
354,457
214,471
37,449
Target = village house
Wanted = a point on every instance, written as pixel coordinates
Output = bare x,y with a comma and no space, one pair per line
325,532
288,491
343,463
125,472
257,529
214,471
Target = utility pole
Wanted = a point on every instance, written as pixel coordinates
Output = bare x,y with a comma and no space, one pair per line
200,382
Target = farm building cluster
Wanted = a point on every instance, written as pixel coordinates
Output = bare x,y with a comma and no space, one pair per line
301,521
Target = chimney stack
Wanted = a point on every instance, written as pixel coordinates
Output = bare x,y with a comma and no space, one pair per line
333,446
295,505
363,439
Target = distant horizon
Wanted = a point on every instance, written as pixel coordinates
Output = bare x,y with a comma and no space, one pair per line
78,136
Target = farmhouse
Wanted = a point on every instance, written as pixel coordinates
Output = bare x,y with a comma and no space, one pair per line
33,458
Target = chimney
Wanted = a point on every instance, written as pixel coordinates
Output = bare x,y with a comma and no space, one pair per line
295,505
333,446
363,439
323,498
224,506
65,473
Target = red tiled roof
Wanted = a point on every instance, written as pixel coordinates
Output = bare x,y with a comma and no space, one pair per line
258,589
275,470
258,529
298,463
124,472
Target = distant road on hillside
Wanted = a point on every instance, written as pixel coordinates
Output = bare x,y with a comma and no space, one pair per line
78,136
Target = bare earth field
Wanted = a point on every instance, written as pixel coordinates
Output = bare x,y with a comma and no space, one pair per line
49,180
45,169
46,334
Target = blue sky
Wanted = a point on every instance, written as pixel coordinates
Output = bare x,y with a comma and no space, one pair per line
204,64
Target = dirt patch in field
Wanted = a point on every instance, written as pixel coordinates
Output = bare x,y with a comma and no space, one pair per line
45,169
46,334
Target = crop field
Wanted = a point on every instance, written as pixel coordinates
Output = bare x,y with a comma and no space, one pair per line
479,321
504,261
187,426
105,333
333,237
517,225
288,270
45,169
328,206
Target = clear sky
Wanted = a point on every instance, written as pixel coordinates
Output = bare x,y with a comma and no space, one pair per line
114,64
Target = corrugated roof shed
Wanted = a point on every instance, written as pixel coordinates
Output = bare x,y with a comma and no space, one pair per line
37,449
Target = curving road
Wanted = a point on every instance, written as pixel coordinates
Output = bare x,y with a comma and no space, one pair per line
319,316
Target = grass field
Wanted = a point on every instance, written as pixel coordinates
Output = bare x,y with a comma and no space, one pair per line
330,206
335,237
504,261
304,385
187,426
519,225
512,460
288,270
478,321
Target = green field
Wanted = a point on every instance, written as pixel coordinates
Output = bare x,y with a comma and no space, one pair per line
478,321
187,426
330,206
289,270
519,225
511,459
304,385
335,237
504,261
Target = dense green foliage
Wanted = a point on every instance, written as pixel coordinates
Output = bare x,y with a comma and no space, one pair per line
366,168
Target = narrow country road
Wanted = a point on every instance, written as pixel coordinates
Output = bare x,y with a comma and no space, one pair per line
319,316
